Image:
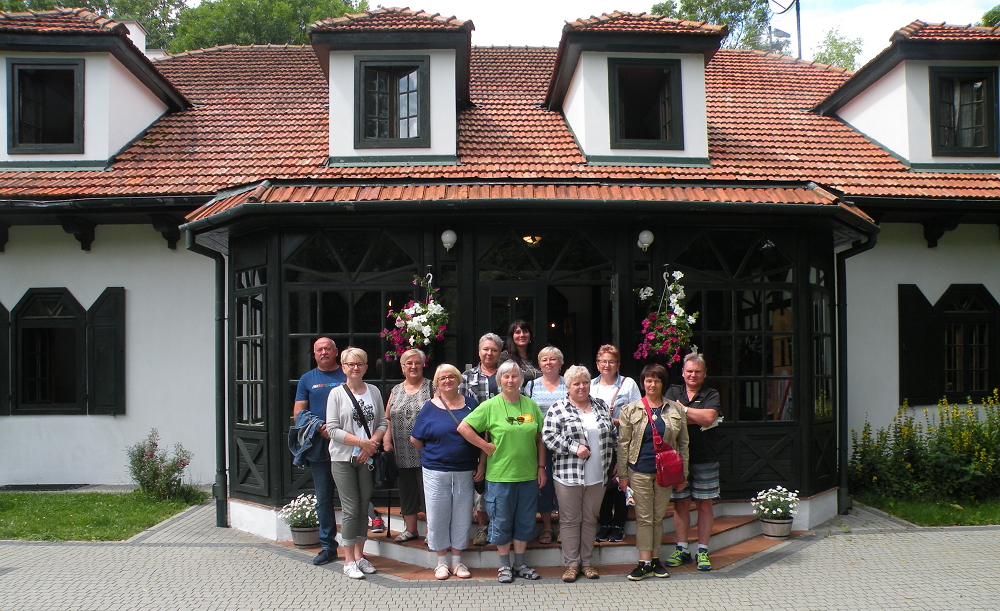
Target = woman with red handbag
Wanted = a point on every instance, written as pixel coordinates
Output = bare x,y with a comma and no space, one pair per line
653,453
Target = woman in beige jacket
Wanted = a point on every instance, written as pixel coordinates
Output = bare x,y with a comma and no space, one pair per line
637,461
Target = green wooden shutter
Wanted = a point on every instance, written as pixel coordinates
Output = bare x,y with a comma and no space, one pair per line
106,353
4,361
921,349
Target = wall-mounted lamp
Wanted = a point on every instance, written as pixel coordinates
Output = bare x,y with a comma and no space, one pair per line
645,239
448,239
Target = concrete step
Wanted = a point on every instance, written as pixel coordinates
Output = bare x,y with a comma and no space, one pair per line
727,530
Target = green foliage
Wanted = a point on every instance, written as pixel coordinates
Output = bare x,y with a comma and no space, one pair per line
248,22
748,20
837,50
157,17
152,471
86,516
991,18
951,456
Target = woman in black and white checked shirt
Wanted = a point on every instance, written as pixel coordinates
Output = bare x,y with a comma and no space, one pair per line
579,432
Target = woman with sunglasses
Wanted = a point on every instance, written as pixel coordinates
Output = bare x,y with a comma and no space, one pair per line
515,469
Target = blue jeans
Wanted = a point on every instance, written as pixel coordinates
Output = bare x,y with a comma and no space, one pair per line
323,483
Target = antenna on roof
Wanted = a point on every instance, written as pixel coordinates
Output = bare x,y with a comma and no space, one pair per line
798,22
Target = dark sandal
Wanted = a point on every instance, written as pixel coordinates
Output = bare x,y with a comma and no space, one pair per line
546,537
526,572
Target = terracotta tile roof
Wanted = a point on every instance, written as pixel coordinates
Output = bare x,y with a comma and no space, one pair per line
313,193
641,22
261,114
399,19
59,20
919,30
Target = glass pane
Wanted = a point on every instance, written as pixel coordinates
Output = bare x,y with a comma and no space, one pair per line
351,245
48,365
404,106
779,310
48,307
822,355
823,402
750,400
767,258
692,304
749,360
779,399
700,255
953,362
718,314
386,255
822,320
404,130
580,254
748,310
315,255
778,359
734,246
251,278
726,398
334,313
369,313
414,131
718,354
509,255
302,312
448,297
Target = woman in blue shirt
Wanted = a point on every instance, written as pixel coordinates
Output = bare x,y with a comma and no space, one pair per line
449,462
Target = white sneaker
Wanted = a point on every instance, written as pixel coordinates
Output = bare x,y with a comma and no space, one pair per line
351,570
365,566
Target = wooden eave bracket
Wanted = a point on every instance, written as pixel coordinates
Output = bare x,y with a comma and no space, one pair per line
4,235
168,228
79,228
936,227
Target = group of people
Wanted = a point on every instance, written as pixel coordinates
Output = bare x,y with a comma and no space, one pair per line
509,439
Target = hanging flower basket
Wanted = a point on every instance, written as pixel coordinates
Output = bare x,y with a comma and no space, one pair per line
666,331
418,324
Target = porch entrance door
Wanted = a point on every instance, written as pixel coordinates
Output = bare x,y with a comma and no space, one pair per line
560,282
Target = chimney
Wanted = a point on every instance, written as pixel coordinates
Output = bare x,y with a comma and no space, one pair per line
136,33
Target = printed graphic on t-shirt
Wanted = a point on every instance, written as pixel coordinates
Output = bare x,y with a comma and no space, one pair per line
368,410
327,385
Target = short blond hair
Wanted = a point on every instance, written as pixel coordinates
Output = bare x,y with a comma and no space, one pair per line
356,352
575,372
411,352
551,351
446,368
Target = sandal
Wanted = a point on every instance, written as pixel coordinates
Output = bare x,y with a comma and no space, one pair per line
505,575
590,572
546,537
405,536
526,572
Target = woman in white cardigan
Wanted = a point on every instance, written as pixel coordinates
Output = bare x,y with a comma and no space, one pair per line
350,451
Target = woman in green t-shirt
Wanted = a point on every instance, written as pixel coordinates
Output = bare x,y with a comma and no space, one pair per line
515,469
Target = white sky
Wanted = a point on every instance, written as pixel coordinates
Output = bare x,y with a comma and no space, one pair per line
539,22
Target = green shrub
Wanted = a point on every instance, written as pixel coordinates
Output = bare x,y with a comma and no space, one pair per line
153,472
951,456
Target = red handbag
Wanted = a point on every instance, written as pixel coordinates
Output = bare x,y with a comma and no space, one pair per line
669,464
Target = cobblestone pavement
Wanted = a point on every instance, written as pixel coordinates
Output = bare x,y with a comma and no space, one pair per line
865,560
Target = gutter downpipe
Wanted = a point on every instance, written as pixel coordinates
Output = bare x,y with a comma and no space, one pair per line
219,490
844,500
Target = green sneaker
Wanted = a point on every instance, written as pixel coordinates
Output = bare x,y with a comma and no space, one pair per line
641,572
703,563
678,558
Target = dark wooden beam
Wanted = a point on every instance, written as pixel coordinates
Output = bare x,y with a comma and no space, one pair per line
81,229
936,227
167,226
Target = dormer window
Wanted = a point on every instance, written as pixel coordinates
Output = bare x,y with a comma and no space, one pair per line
645,97
393,102
964,112
45,106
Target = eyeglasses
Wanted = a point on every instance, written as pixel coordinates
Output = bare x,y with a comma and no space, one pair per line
606,363
520,419
355,365
446,378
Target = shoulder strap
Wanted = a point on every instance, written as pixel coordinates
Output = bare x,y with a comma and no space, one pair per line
611,408
657,440
361,415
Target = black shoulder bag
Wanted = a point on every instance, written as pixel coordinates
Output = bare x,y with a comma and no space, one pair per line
383,465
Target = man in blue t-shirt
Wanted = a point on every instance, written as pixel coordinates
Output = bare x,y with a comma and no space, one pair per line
311,394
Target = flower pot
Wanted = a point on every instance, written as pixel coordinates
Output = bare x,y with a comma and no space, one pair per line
776,529
305,537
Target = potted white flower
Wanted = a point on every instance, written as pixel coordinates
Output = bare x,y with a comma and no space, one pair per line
300,515
775,508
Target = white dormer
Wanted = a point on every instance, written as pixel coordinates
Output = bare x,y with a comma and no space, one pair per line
398,79
632,88
73,98
930,98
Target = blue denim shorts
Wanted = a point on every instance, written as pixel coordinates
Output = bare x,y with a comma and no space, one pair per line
512,507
